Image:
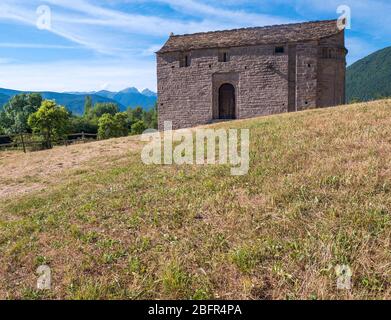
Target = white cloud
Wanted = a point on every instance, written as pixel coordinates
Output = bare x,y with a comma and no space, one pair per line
236,16
5,60
33,46
87,24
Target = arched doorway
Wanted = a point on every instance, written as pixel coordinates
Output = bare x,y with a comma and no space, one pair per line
227,102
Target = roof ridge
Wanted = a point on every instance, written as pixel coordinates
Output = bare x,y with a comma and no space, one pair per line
253,28
291,32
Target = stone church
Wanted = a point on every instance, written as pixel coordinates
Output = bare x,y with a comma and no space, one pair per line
244,73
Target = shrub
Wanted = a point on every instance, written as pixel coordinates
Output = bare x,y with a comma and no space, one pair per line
138,127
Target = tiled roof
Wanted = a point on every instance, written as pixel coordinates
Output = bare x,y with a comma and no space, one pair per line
252,36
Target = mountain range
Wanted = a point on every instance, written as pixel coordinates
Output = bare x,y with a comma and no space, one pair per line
370,78
74,101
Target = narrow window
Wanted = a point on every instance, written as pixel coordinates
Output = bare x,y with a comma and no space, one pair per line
223,56
184,61
279,50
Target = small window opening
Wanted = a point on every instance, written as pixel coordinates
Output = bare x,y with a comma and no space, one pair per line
279,50
185,61
223,56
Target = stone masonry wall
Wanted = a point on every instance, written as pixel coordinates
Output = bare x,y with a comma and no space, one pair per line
265,82
188,96
306,75
331,71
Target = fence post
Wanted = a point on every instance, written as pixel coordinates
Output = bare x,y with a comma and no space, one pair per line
82,136
24,146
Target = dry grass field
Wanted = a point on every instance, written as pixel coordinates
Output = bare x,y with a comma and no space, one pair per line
318,195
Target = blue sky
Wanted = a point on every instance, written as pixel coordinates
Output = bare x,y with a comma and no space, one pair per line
110,44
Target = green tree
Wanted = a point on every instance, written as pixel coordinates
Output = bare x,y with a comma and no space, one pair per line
15,114
102,108
113,126
83,124
138,127
87,105
106,126
135,114
150,118
50,121
138,113
122,124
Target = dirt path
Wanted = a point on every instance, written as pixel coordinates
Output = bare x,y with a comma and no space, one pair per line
24,173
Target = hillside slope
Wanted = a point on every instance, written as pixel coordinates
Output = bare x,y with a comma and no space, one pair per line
318,195
370,78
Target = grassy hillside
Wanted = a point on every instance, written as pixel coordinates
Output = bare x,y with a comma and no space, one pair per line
318,195
370,78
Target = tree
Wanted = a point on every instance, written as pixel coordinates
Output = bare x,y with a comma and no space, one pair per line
135,114
50,121
102,108
83,124
122,124
15,114
150,118
87,105
106,127
138,127
138,113
113,126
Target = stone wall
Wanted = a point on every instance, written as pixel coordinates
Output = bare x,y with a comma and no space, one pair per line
332,71
188,96
265,82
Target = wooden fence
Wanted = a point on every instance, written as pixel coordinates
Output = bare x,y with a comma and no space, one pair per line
29,142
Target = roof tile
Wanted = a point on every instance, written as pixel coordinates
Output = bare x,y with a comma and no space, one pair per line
252,36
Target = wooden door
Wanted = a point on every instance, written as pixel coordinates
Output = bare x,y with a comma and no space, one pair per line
227,102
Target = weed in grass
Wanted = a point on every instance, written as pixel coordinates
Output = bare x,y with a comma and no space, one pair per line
176,282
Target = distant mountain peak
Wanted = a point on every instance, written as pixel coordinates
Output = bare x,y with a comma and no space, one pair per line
148,93
130,90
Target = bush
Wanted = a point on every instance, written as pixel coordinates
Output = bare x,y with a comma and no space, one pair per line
138,128
113,126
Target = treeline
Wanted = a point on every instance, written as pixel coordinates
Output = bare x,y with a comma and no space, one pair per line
29,113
